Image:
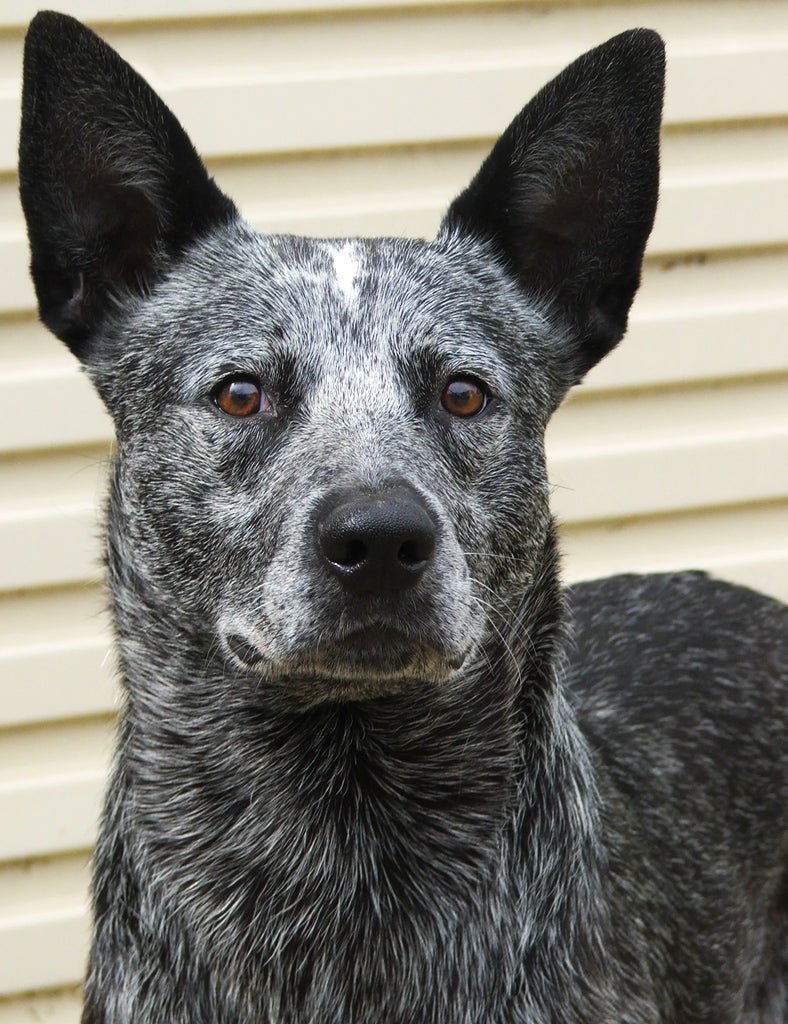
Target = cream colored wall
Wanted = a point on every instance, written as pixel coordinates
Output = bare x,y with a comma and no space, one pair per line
366,119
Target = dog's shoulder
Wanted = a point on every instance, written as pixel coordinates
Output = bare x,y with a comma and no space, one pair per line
680,683
678,655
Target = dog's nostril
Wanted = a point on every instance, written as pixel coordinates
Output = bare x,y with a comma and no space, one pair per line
414,552
347,551
354,554
242,649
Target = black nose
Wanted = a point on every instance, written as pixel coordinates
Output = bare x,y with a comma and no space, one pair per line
379,542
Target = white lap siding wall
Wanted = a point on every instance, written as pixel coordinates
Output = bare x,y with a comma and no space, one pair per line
367,118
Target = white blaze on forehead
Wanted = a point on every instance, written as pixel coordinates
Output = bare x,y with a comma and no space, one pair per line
346,269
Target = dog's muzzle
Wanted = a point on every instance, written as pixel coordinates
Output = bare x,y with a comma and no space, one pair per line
377,625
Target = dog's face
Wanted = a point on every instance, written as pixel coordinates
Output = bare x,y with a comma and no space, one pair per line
282,401
330,465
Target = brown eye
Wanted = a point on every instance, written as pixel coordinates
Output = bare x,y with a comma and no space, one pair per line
242,396
463,398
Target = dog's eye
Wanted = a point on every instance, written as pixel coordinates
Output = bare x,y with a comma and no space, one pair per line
242,396
464,397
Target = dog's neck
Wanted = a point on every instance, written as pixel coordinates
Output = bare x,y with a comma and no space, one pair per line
445,815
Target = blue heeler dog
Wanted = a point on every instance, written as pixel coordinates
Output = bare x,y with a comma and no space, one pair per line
374,766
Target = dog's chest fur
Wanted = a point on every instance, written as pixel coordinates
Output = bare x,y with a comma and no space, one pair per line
418,843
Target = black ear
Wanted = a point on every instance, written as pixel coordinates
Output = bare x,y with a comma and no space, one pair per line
568,194
111,186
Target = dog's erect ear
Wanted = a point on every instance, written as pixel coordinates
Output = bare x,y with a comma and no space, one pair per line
111,186
568,194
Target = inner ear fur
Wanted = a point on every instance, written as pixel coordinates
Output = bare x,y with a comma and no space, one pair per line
568,194
111,187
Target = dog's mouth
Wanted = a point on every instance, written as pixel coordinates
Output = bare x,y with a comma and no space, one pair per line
363,661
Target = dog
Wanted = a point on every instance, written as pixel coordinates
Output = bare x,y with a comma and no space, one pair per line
374,765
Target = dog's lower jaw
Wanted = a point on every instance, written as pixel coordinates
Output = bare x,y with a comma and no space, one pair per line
359,666
304,693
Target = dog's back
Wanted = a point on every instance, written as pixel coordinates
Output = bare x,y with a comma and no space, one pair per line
680,687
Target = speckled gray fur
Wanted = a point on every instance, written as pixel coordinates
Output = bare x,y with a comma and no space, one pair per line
521,806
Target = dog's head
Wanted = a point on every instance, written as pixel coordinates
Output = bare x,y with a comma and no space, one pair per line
330,472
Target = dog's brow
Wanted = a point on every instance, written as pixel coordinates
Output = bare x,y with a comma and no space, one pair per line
430,358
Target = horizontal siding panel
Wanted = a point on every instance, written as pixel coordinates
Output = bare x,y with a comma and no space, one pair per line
63,932
671,476
74,413
44,925
683,346
42,884
19,12
643,419
83,667
16,290
54,479
41,491
26,345
48,547
662,451
68,613
55,656
728,214
59,813
702,84
748,545
406,104
51,781
44,1008
703,318
43,907
690,18
37,754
